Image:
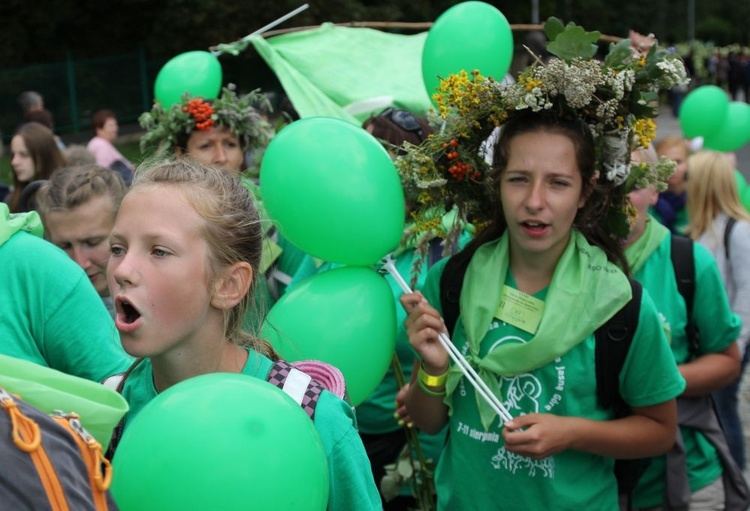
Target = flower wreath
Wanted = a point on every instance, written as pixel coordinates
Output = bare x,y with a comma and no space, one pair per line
238,113
615,97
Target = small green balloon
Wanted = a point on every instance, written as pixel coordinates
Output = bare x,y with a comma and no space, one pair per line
746,198
345,317
196,72
703,111
221,441
468,36
734,133
333,191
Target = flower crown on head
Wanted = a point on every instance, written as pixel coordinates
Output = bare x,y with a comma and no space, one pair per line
238,113
616,98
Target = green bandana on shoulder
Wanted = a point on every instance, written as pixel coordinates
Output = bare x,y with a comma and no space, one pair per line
10,223
639,252
584,286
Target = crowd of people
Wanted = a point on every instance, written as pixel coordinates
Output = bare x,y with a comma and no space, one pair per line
141,275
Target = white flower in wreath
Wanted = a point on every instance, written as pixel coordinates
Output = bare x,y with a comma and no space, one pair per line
617,173
616,156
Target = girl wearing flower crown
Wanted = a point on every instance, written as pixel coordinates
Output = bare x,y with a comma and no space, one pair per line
219,133
541,279
181,327
543,274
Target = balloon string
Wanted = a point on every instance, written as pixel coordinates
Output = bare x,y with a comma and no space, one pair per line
463,364
261,30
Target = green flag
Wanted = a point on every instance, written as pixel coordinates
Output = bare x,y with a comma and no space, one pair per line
348,73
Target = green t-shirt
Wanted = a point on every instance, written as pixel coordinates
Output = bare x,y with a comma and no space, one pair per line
351,483
719,328
289,260
475,460
50,313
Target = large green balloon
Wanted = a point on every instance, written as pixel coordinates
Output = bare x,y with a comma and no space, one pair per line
345,317
746,198
741,182
734,133
333,191
703,111
196,72
221,441
468,36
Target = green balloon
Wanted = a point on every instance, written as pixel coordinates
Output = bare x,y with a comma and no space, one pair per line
196,72
221,441
703,111
746,198
345,317
468,36
741,182
333,191
734,133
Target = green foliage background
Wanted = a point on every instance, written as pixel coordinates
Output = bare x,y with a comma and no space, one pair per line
47,30
39,37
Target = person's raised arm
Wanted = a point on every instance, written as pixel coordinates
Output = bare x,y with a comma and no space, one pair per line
424,400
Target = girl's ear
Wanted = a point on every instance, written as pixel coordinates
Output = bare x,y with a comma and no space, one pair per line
232,285
587,190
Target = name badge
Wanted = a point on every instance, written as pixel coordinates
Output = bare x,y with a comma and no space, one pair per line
520,310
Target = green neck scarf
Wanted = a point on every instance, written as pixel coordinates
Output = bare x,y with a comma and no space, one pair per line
10,223
585,286
639,252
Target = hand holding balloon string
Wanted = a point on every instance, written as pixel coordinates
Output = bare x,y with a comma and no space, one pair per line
455,355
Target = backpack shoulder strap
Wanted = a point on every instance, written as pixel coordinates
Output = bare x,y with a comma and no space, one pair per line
117,383
298,385
451,282
727,233
613,340
684,271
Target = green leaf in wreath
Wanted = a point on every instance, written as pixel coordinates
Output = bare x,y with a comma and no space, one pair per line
619,54
553,27
644,104
574,42
653,58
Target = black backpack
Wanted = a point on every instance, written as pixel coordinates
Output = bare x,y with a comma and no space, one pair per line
613,340
49,461
684,272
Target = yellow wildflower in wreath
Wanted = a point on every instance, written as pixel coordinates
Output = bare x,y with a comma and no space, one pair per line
616,97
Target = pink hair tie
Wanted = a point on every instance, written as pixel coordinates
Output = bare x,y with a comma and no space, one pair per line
325,374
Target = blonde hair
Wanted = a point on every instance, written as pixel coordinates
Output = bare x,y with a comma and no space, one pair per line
672,141
712,189
231,227
70,187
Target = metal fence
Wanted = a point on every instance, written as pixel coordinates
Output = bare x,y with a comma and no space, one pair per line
75,89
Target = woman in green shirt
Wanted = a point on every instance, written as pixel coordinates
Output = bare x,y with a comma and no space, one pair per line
540,280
